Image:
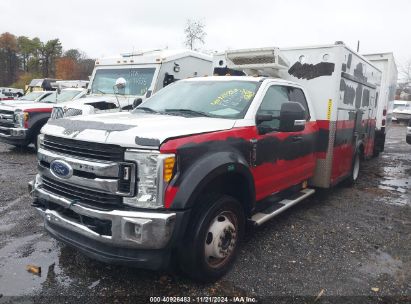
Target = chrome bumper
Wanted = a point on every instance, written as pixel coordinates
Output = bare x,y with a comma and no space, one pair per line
13,133
129,229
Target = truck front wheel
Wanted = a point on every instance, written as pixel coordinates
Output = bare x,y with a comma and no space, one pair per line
211,243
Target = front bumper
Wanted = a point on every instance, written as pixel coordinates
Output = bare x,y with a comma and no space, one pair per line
13,135
139,239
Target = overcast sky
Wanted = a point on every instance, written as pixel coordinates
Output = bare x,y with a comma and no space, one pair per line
103,28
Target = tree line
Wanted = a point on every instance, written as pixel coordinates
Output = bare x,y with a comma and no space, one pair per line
23,59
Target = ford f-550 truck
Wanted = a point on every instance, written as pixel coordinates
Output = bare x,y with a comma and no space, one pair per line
179,176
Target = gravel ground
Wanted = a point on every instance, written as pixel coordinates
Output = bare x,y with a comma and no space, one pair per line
345,245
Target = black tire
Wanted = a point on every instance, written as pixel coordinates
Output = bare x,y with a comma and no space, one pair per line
355,168
376,153
219,215
36,148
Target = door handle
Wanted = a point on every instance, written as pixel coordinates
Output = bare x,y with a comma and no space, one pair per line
296,138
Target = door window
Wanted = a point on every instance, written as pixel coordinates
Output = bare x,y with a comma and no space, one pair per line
297,95
271,104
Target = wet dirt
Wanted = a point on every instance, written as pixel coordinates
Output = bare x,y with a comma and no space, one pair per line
347,244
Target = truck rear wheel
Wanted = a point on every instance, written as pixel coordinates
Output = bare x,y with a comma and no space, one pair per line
211,243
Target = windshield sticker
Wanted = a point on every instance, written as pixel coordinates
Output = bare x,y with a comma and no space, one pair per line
233,97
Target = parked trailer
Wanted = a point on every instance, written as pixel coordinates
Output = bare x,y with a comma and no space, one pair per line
385,100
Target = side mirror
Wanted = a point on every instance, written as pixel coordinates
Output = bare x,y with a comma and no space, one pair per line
120,83
292,117
137,102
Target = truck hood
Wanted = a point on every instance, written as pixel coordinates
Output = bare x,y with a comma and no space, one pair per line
133,129
26,106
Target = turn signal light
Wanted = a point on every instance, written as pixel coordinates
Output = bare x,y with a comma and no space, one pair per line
169,163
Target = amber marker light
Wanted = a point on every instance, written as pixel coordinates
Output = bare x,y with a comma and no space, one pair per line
169,163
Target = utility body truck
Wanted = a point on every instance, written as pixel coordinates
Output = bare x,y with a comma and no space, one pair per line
177,178
118,83
385,62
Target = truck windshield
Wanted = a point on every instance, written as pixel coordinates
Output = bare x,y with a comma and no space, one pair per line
223,99
31,96
63,96
138,80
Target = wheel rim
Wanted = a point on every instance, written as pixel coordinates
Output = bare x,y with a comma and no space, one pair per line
356,168
221,239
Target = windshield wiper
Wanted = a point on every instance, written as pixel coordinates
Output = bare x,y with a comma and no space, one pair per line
146,109
100,91
188,111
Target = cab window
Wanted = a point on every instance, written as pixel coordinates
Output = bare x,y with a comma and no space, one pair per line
274,98
297,95
271,104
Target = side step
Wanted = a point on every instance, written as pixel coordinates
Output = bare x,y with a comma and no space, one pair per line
267,214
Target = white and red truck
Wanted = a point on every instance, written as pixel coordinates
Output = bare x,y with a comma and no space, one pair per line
177,178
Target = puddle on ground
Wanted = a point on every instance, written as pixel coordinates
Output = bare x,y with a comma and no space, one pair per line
397,181
20,252
383,263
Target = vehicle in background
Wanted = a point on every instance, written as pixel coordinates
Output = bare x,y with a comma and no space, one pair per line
21,120
118,83
385,62
65,95
66,84
220,66
10,93
34,96
43,84
401,111
180,175
408,137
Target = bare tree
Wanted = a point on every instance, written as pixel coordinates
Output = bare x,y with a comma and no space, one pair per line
194,32
405,72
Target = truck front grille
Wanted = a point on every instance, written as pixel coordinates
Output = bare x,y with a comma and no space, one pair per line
83,149
73,112
57,113
6,118
81,195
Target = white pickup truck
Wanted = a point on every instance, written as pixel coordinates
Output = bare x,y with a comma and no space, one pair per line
118,83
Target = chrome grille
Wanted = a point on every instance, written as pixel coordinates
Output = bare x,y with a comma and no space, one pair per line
6,118
72,112
79,194
57,113
83,149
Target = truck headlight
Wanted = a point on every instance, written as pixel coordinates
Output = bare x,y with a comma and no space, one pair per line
154,172
40,140
20,118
